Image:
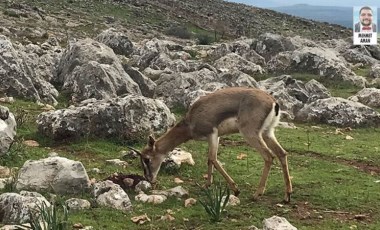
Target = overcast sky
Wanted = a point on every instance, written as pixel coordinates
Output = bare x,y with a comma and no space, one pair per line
273,3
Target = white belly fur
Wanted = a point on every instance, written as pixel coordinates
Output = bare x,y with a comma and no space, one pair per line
228,126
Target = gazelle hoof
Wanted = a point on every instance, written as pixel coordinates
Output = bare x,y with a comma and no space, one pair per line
287,198
236,193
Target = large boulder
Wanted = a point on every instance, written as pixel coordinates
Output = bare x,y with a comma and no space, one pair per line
277,223
339,112
233,61
43,59
180,89
112,195
171,88
374,51
375,71
367,96
149,51
116,40
90,69
293,94
268,45
315,60
18,75
358,55
146,85
16,208
241,47
55,174
7,129
128,118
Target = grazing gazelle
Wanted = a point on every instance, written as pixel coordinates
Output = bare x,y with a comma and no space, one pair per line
252,112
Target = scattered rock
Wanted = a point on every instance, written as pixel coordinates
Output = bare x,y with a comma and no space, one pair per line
9,100
7,129
5,172
179,156
178,180
190,202
127,118
140,219
57,174
178,191
143,186
339,112
112,195
15,208
232,200
31,143
154,199
167,217
117,162
126,181
77,204
277,223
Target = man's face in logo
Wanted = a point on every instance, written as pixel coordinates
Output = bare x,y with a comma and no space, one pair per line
366,17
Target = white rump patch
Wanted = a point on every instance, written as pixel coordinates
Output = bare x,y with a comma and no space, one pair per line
270,122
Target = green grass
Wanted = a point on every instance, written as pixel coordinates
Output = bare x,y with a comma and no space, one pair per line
364,72
329,188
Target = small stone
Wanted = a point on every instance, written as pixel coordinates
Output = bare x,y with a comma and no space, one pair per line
53,154
117,162
178,181
190,202
349,137
128,182
241,156
232,201
4,172
143,186
31,143
140,219
95,170
9,100
167,217
78,225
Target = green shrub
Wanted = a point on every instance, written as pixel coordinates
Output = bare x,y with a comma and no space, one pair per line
213,202
48,218
204,39
179,32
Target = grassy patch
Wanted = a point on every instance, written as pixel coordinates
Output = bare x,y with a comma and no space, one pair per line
364,71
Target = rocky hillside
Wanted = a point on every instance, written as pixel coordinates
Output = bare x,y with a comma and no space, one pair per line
34,20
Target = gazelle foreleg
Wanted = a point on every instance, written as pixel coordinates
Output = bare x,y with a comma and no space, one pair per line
276,148
213,141
213,150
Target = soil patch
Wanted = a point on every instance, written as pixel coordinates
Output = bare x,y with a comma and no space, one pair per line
126,182
363,166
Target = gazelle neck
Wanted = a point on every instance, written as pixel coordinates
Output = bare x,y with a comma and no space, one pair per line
177,135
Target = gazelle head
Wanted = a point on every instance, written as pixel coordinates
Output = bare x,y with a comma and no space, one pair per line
151,160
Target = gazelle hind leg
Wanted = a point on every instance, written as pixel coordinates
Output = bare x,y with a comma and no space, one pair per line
213,140
256,141
276,148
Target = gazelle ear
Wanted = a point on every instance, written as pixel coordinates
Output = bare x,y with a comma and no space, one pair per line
151,141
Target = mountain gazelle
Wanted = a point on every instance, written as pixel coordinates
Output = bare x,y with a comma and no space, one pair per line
248,111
